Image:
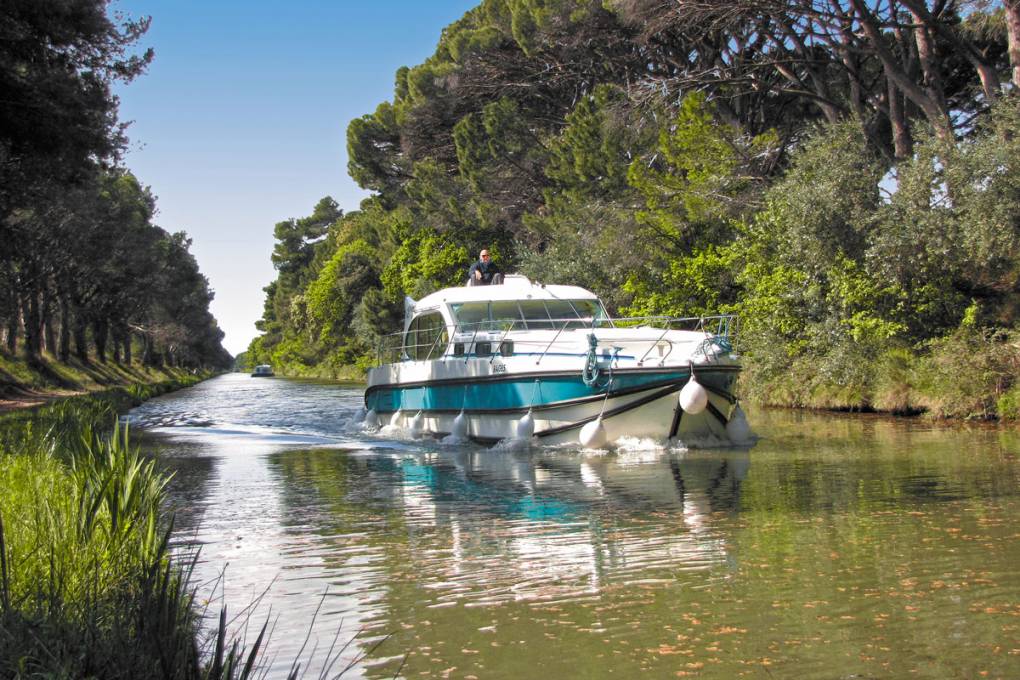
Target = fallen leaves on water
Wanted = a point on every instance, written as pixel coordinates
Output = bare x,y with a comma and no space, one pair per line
728,630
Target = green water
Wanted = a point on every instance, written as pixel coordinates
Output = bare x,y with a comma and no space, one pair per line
839,547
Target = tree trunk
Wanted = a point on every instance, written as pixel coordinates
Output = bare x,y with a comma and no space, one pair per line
926,56
933,24
121,342
930,101
13,326
100,335
903,143
1013,35
64,351
33,324
81,347
150,355
48,321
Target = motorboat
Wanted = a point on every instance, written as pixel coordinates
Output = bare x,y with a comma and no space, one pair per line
525,360
263,371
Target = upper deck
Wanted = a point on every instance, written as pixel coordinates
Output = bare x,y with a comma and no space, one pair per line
520,317
514,287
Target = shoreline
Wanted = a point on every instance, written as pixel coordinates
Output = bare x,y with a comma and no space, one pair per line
30,384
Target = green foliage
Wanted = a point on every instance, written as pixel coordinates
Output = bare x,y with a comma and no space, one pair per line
700,284
705,174
80,249
896,373
823,207
373,148
375,316
1007,407
332,297
593,152
581,233
949,234
424,263
967,373
858,302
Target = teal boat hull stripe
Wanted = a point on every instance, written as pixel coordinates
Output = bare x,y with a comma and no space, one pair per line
520,393
544,376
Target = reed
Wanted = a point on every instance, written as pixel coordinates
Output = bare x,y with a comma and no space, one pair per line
88,584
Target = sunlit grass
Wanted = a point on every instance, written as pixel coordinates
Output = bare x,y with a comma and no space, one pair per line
88,584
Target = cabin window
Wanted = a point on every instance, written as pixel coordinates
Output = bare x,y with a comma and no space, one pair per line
505,313
527,314
561,310
426,337
471,316
588,309
587,312
535,315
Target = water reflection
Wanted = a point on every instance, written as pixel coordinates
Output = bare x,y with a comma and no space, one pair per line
864,540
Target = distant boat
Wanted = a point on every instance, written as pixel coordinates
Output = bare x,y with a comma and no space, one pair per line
263,371
523,360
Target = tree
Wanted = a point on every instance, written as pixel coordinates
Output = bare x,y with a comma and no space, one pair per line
884,63
58,60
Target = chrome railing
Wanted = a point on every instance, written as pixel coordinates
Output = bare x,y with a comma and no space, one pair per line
492,338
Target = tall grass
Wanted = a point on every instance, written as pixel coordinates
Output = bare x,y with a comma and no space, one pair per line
88,584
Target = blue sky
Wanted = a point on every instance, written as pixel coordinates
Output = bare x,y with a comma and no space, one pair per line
241,120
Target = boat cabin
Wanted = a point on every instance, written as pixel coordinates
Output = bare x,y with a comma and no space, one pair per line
482,321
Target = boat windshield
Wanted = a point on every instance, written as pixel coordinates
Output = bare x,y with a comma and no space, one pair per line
528,314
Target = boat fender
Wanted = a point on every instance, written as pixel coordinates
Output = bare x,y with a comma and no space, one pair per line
693,397
460,426
737,429
371,420
396,418
417,425
526,426
593,435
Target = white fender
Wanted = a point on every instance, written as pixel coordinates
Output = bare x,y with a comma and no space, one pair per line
526,426
693,397
737,429
371,419
593,435
460,426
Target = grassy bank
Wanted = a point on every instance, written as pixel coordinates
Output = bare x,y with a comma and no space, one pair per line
971,374
88,587
26,383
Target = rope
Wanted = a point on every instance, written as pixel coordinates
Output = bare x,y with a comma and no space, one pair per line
591,371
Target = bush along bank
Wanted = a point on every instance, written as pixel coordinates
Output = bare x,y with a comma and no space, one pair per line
88,584
970,374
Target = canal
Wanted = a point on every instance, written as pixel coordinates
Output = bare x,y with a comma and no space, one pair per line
838,547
